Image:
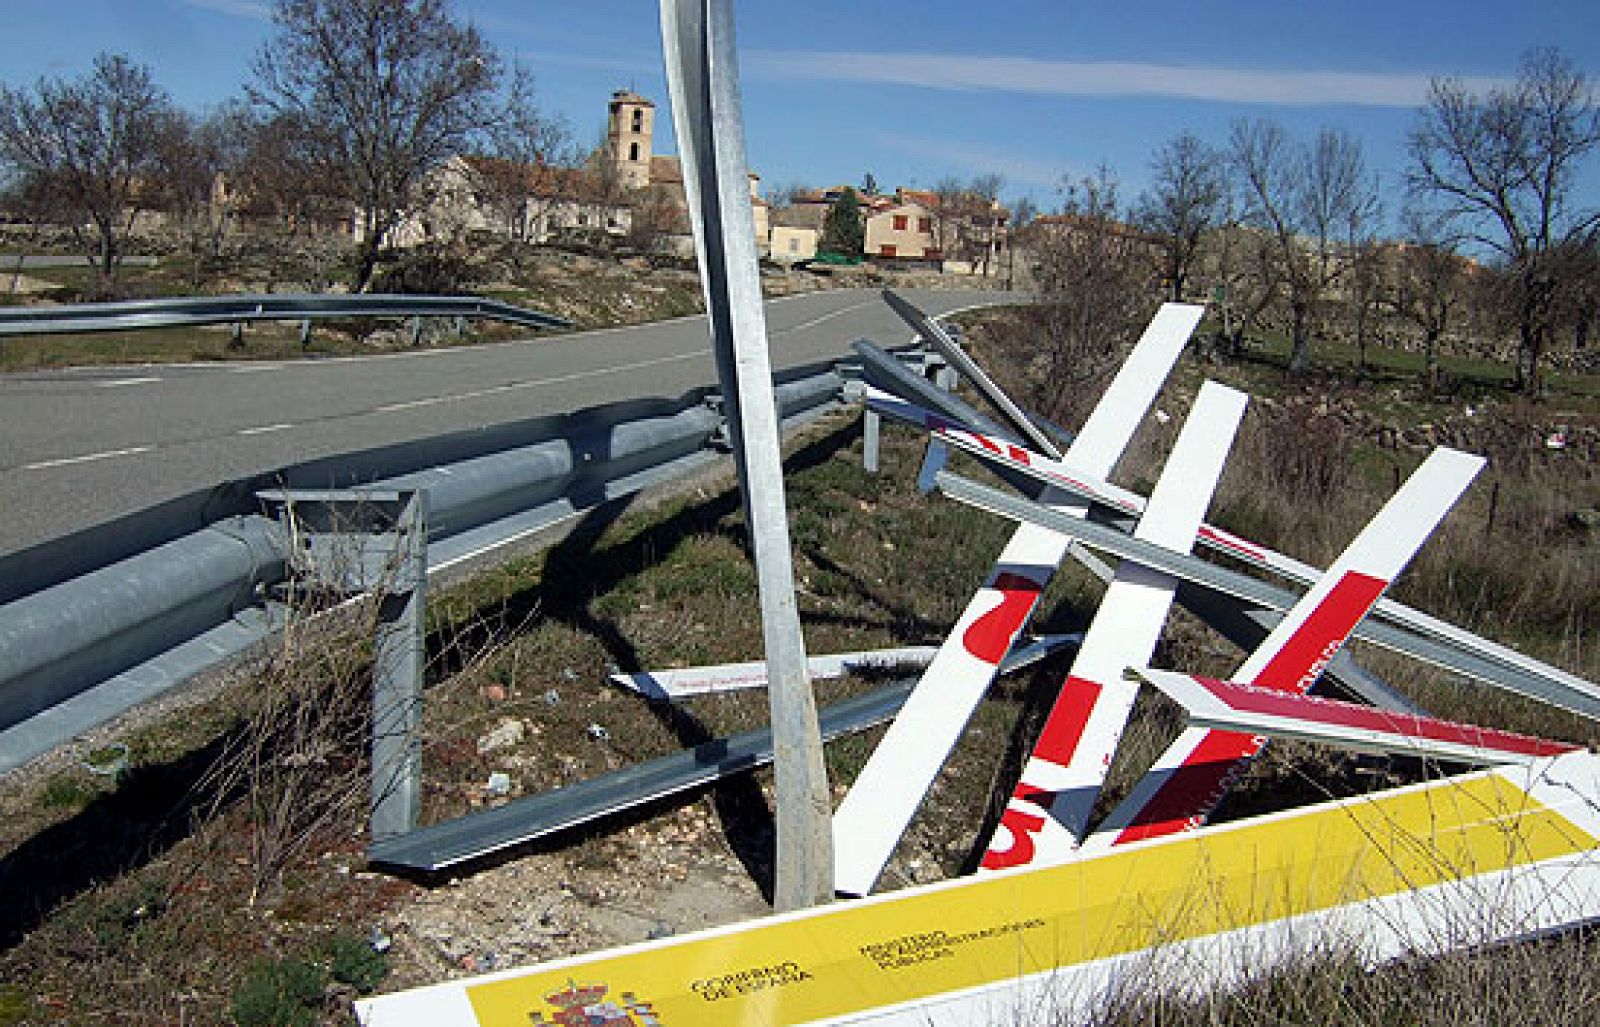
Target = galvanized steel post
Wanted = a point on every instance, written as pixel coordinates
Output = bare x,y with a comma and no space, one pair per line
375,541
702,77
399,658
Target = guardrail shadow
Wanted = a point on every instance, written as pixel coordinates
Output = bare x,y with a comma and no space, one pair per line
576,570
154,807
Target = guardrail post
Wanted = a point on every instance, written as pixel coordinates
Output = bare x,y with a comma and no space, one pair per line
416,330
871,435
236,339
376,541
396,789
305,332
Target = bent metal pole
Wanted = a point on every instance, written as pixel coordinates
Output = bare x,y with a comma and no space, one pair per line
702,78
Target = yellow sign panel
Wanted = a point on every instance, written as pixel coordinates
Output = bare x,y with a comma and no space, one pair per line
994,929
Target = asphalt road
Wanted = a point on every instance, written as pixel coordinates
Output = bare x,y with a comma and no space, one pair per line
82,446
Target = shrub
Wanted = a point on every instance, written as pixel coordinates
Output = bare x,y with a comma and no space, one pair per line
353,961
279,993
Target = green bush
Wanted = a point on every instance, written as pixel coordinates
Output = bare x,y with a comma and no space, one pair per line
352,961
279,993
15,1007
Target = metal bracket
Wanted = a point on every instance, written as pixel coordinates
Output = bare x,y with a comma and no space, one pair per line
353,542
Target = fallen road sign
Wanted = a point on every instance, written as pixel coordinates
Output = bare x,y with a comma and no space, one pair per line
1480,658
885,796
1048,813
1492,856
1240,586
727,677
1235,707
1200,766
686,682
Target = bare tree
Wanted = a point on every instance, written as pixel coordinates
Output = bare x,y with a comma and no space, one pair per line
384,92
1185,201
1023,213
1502,165
534,154
1367,292
652,217
1313,204
1429,280
1246,281
93,146
785,195
985,194
1576,269
1094,275
293,208
947,206
200,155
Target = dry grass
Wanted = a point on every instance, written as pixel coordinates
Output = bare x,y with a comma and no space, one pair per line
1509,562
1549,983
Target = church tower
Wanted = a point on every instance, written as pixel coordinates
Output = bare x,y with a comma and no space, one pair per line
628,136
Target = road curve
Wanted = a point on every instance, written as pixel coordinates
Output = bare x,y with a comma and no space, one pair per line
83,446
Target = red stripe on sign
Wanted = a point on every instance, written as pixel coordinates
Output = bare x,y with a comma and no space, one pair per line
990,636
1062,732
1313,710
1188,794
1305,655
1021,827
1233,542
987,443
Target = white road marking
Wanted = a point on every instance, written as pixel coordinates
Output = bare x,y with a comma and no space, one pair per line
254,368
412,404
120,382
827,317
429,401
87,458
264,429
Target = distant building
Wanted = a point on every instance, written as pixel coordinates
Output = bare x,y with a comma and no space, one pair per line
623,190
657,180
902,230
963,234
630,129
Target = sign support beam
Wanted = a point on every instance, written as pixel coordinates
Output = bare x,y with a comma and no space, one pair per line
702,78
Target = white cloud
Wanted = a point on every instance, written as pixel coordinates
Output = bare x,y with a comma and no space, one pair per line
258,9
635,66
1100,78
1015,169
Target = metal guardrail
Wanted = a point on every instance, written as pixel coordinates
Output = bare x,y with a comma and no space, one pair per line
193,311
98,622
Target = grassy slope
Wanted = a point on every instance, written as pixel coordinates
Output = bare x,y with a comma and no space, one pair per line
591,293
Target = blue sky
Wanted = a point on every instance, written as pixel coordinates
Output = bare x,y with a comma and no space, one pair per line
917,90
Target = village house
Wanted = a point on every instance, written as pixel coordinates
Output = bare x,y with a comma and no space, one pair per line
624,191
902,229
963,234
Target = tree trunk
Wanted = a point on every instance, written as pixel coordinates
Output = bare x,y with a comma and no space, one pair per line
1430,361
1300,339
108,253
1534,381
366,262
